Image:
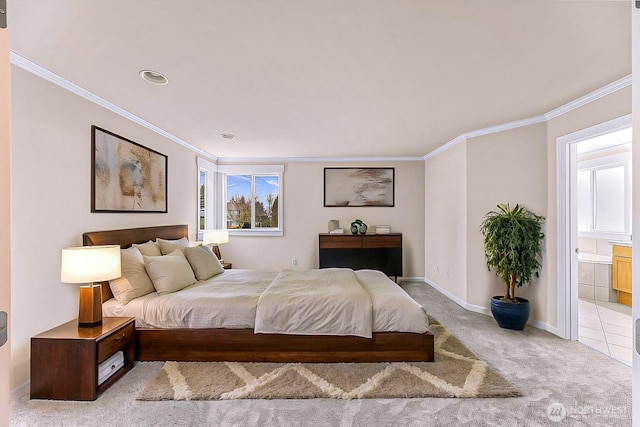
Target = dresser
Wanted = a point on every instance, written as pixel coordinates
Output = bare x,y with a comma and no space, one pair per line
362,251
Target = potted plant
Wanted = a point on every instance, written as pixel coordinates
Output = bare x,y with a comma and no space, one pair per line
512,246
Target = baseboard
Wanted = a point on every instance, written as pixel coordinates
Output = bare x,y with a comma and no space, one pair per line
21,390
487,311
410,279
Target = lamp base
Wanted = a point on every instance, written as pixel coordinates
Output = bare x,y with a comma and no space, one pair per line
90,307
216,250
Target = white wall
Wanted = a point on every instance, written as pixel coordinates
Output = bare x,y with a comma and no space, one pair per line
5,220
305,217
506,167
51,177
614,105
515,166
445,187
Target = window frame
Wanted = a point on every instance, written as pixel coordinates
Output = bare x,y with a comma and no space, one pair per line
210,210
253,170
608,162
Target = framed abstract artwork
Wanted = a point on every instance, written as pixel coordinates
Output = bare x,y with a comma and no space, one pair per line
126,176
359,187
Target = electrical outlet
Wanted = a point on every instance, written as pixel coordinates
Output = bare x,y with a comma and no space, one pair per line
447,274
294,261
438,271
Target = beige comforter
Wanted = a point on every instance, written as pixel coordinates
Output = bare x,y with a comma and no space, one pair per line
315,302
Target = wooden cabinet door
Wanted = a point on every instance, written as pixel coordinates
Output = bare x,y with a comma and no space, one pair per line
622,274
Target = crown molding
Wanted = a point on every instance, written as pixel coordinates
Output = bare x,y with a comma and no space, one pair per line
485,131
244,160
40,71
570,106
590,97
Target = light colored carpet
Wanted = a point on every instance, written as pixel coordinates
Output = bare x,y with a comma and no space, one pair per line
456,372
594,389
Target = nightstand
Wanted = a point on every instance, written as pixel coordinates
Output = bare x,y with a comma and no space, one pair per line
227,265
65,359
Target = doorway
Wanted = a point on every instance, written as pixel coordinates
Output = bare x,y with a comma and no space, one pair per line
597,215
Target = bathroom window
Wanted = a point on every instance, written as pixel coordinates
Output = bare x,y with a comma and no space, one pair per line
604,197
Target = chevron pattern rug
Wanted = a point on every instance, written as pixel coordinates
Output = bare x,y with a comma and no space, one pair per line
456,372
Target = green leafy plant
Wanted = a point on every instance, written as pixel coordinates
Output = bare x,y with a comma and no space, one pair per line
513,245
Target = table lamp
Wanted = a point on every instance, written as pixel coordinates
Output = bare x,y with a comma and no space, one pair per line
89,264
215,237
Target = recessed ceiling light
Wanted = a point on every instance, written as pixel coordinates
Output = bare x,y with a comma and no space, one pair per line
154,77
227,135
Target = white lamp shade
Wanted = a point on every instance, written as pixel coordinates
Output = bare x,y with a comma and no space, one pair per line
215,236
88,264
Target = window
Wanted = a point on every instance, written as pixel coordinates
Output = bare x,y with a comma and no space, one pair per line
253,199
206,196
604,196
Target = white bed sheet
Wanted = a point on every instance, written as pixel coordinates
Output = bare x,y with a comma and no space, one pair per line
230,300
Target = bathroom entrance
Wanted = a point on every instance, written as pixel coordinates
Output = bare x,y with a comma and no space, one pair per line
600,226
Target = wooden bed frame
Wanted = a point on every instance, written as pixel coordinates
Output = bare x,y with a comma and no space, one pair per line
244,345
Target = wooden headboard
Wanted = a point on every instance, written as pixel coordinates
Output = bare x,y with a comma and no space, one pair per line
128,236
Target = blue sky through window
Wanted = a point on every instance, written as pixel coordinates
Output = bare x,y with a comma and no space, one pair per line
241,184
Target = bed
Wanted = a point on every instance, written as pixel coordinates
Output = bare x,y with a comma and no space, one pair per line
244,344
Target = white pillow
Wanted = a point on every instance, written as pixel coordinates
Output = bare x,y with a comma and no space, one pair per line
149,248
168,246
169,273
134,281
204,262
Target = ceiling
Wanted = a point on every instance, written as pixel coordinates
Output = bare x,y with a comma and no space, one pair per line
328,78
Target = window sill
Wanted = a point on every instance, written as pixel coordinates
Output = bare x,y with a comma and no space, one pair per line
254,232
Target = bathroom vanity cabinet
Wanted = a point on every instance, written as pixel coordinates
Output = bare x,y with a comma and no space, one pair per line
621,273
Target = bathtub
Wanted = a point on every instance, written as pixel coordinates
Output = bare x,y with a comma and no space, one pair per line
594,277
594,258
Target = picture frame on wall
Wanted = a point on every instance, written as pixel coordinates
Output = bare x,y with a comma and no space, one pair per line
359,187
126,176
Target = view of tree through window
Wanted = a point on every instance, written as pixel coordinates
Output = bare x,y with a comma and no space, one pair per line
252,201
202,213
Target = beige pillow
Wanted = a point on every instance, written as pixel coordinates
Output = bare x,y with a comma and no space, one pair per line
204,262
134,281
168,246
169,273
149,248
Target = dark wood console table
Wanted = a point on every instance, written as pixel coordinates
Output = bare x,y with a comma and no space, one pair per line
359,251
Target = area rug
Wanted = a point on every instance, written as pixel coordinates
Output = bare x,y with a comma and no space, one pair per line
456,372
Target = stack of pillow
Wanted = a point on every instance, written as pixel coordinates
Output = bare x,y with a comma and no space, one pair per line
163,266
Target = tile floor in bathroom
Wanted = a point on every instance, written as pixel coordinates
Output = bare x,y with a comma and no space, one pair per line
606,327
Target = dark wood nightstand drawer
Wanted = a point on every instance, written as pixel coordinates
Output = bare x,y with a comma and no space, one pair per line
115,342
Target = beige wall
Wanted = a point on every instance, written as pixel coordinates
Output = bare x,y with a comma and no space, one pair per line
51,170
514,166
445,187
506,167
305,217
51,209
615,105
5,219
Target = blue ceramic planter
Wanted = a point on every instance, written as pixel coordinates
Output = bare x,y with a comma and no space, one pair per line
510,315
